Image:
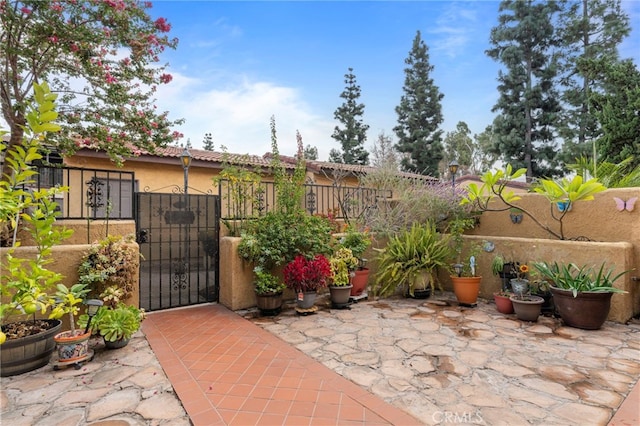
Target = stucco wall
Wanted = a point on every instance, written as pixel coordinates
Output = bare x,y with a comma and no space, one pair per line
618,255
97,230
236,276
598,220
66,260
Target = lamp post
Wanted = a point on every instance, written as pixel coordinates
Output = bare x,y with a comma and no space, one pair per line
186,158
453,169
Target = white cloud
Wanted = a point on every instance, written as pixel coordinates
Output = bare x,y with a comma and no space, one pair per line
455,29
238,115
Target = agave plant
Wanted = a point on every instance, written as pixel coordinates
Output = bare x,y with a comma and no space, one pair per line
568,276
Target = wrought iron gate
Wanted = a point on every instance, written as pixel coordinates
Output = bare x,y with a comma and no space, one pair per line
178,237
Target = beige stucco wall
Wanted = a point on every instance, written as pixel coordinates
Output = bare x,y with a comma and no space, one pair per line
617,255
98,230
66,260
159,176
236,275
598,220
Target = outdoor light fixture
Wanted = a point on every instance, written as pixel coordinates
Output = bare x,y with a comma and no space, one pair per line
458,268
92,309
186,158
453,169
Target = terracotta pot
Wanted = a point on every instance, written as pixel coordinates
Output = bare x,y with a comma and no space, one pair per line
588,310
25,354
340,295
527,308
359,281
269,303
466,289
503,303
72,347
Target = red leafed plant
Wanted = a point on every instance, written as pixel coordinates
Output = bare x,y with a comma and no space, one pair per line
302,274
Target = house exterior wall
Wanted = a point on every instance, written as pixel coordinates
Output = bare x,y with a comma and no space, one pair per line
158,176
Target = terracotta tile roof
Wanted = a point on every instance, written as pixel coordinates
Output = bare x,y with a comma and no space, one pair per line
264,161
211,156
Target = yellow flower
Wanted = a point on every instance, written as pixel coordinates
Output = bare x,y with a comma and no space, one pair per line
522,270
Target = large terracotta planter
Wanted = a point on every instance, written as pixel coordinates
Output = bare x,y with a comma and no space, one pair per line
340,295
359,281
19,356
466,289
269,303
503,303
588,310
527,308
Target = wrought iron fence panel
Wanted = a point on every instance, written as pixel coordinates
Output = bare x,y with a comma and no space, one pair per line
93,193
255,200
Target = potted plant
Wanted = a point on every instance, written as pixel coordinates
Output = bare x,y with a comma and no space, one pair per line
410,261
343,264
26,282
503,302
305,276
542,288
72,345
116,324
466,284
503,268
268,290
109,268
526,306
357,242
520,284
581,295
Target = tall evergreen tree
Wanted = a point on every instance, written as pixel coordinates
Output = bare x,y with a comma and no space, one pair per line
590,29
617,110
458,146
484,158
419,114
207,142
310,152
354,132
528,106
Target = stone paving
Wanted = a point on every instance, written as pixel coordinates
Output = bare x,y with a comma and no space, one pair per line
448,364
118,387
441,363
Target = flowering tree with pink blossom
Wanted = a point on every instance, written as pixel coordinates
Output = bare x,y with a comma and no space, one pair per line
101,57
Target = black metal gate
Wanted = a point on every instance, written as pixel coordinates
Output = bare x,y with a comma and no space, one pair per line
178,237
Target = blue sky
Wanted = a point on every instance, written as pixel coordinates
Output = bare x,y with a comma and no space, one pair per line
240,62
